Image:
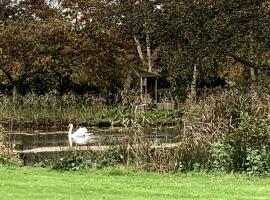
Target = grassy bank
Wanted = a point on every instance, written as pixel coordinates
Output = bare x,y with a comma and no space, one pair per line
36,183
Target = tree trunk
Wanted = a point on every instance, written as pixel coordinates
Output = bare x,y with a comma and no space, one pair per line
149,56
139,50
193,87
253,78
14,93
126,90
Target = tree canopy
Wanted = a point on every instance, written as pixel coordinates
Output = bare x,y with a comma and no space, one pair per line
91,46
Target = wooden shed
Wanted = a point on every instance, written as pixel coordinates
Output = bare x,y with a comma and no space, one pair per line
147,85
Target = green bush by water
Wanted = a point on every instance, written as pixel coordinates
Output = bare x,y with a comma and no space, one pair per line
234,127
247,146
75,161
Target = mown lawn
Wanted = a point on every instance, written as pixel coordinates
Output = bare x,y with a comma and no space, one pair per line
37,183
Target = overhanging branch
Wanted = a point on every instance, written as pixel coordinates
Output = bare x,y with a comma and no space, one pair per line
248,63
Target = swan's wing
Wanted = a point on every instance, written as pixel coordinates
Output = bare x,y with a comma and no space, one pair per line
81,140
88,138
89,134
80,132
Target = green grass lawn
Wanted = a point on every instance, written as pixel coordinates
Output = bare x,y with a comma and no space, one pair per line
36,183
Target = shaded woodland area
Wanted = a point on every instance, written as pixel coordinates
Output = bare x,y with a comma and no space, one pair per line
90,46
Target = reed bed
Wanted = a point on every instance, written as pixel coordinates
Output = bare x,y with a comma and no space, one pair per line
53,109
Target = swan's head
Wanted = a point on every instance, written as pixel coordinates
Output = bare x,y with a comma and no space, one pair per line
70,125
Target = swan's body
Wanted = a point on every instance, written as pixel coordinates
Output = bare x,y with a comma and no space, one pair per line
79,137
80,132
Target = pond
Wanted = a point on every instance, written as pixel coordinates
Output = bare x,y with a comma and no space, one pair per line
27,139
34,138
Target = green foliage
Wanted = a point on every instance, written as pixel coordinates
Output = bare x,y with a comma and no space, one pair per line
215,135
258,161
90,110
244,148
2,137
250,142
75,161
53,108
233,127
109,158
163,117
221,157
72,163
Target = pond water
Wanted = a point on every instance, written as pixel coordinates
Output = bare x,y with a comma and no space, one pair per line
33,138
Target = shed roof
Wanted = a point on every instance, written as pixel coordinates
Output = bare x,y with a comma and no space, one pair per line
144,74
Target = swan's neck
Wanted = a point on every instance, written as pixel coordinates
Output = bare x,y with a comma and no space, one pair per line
69,135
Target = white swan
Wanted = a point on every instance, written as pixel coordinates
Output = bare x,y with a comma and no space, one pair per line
79,137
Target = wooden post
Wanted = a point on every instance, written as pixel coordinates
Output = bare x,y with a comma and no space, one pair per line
145,85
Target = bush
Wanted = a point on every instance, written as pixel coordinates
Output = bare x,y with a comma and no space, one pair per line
108,158
227,131
72,163
7,156
244,148
75,161
233,127
250,141
221,157
257,161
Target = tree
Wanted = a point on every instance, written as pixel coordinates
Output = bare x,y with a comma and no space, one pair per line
213,31
41,54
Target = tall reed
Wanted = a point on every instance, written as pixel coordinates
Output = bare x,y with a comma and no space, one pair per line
53,109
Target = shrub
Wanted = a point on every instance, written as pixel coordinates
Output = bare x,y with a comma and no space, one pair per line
233,127
250,141
221,157
257,161
108,158
75,161
7,156
72,162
